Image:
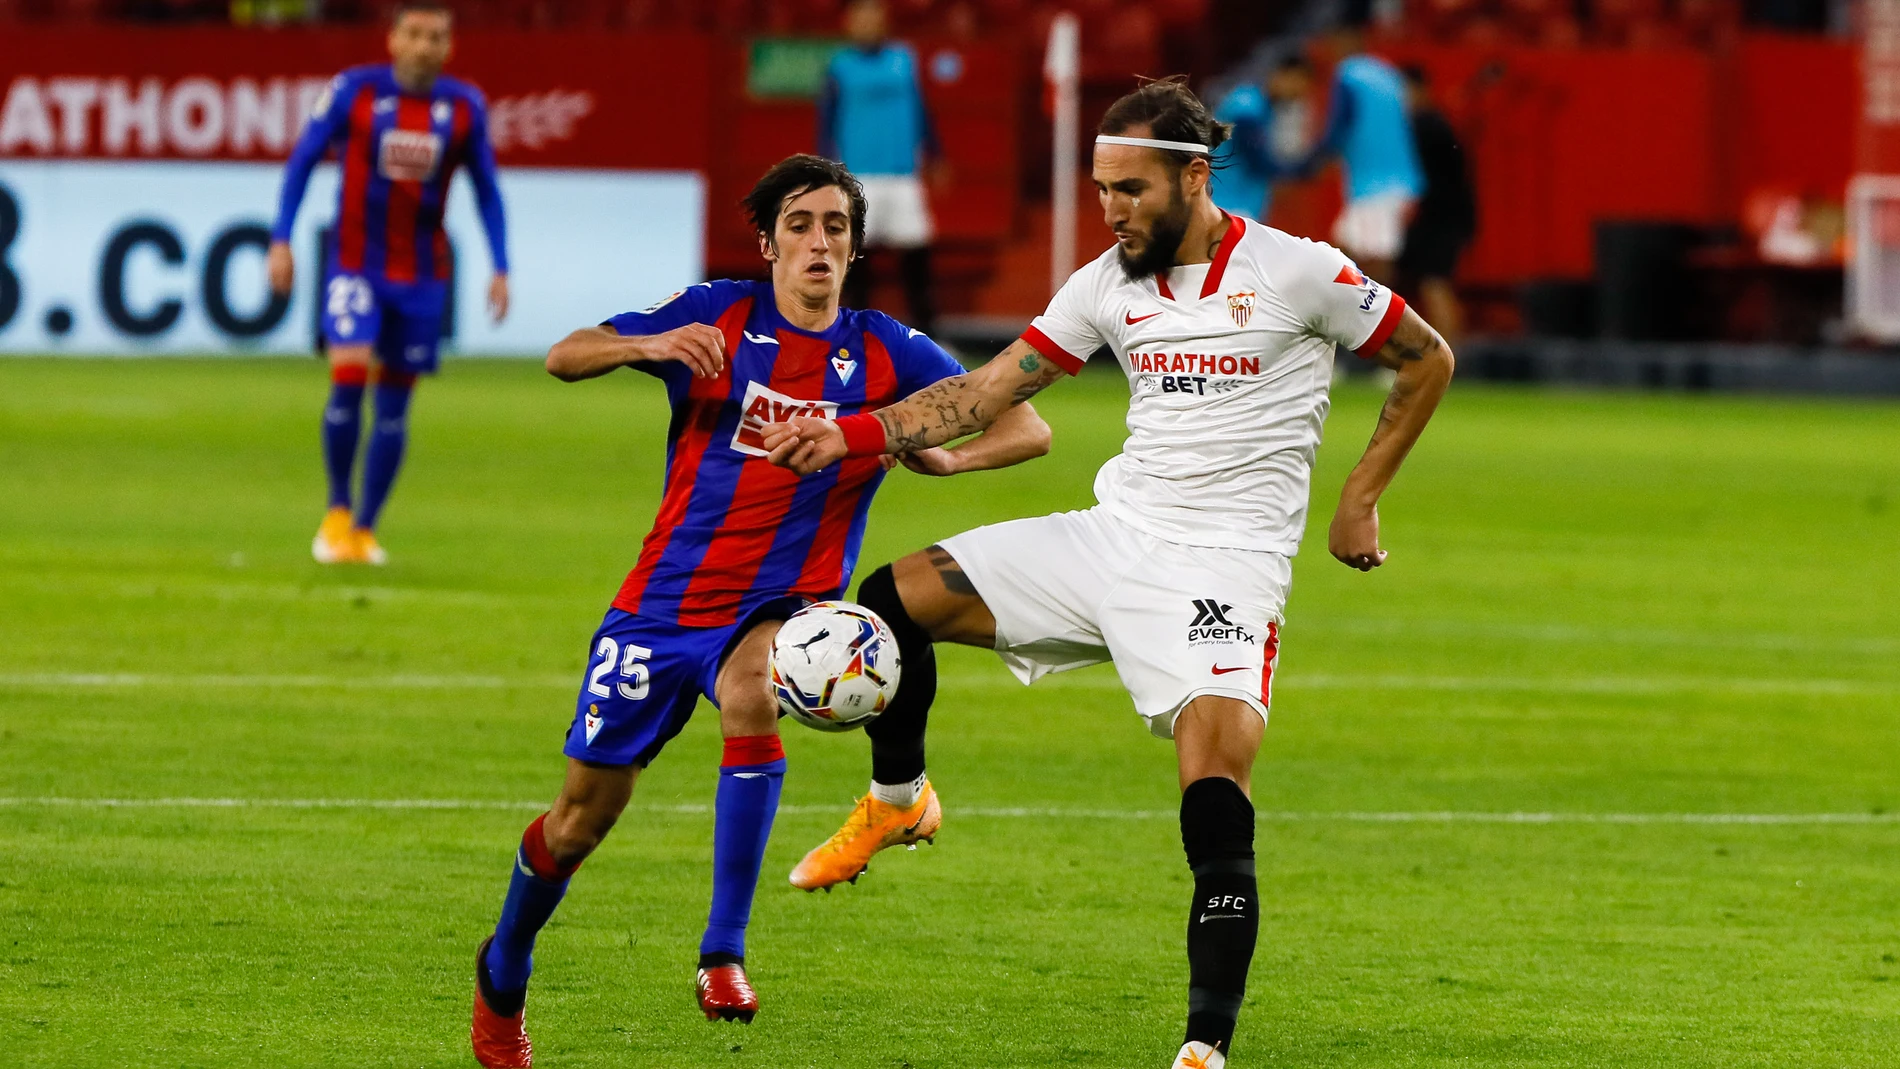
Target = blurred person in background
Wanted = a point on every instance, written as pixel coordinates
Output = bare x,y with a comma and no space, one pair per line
400,130
872,118
1247,166
1369,128
1446,216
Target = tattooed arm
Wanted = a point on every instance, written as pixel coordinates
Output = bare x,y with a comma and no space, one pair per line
950,409
1424,365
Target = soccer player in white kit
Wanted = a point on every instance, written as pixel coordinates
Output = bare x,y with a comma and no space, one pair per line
1226,329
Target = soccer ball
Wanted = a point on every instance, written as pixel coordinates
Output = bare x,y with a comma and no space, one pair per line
834,666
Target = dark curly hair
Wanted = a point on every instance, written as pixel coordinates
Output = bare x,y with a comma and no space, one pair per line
1171,112
797,175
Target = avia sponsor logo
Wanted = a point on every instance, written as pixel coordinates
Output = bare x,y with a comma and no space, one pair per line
763,406
1212,624
1193,364
408,155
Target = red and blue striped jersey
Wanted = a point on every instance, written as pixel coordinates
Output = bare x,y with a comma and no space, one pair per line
734,531
398,151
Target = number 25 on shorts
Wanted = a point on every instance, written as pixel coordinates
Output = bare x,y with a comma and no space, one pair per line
633,672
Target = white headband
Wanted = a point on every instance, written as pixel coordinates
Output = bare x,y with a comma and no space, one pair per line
1149,142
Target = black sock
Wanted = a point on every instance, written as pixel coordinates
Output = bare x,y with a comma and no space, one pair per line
1217,830
897,735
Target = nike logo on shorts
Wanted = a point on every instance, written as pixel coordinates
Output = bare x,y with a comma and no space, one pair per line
1132,318
1219,671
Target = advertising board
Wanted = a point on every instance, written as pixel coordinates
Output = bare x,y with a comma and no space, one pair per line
168,257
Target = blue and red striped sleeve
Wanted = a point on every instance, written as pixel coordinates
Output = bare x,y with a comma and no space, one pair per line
915,357
329,122
482,174
703,303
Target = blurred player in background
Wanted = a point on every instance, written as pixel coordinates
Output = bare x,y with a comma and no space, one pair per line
1246,167
1226,330
1446,216
399,131
1369,127
738,546
872,118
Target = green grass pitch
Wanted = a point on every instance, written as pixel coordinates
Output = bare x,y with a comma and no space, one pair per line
1613,608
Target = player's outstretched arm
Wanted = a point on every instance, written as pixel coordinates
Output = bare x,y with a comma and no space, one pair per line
594,351
1017,435
1424,364
942,412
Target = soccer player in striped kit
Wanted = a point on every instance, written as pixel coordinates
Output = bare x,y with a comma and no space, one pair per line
399,130
737,547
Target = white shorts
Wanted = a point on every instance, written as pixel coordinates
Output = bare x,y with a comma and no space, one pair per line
1079,588
1373,228
896,214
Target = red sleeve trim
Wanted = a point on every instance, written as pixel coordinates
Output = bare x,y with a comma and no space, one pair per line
863,435
1057,355
1382,333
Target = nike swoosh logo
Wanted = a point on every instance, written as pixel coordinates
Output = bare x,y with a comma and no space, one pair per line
758,338
1205,917
1219,671
748,775
1132,318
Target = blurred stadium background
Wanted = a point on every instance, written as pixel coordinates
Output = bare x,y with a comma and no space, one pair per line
1662,185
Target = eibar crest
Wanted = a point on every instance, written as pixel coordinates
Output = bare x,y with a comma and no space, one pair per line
1241,306
593,723
843,365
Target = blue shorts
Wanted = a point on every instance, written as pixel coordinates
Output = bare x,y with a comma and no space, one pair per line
644,678
403,320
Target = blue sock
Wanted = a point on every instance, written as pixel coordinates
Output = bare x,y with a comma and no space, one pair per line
749,781
342,427
386,441
534,889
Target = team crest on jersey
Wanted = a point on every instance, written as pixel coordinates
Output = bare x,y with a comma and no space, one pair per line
843,365
763,405
1240,306
408,155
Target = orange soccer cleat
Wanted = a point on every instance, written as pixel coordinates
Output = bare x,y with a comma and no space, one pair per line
1197,1055
872,826
500,1042
334,543
367,549
726,994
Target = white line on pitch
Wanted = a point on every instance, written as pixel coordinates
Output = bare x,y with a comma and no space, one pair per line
998,812
1097,680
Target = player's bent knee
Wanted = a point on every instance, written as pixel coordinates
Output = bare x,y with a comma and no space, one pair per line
934,592
590,802
1217,736
744,687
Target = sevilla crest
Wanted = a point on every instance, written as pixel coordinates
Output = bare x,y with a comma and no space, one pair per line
1241,305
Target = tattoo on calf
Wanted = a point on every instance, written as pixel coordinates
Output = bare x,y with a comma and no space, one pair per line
950,571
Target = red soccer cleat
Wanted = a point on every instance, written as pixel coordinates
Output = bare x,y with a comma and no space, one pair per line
726,994
499,1042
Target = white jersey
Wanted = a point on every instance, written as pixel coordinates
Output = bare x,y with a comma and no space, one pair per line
1228,368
